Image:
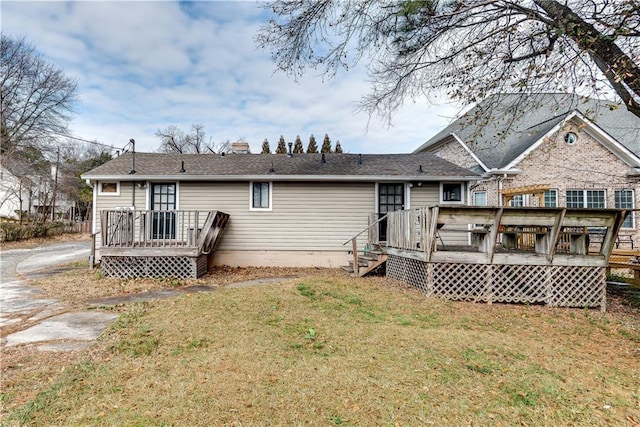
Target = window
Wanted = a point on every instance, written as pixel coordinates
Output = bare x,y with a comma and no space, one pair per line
451,192
570,138
551,198
623,199
109,188
261,196
480,198
586,199
517,201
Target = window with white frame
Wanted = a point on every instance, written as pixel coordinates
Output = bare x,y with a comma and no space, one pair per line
451,192
551,198
480,198
517,201
260,196
586,199
623,199
109,188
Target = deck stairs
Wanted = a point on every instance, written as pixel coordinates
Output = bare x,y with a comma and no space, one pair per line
212,231
367,263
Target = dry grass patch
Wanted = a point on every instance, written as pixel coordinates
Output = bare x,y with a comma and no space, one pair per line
331,350
79,284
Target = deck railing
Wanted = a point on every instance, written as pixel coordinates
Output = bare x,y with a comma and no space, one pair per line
128,228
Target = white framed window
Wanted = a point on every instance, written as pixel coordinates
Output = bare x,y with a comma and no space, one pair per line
451,192
109,188
623,199
480,198
551,198
517,201
586,199
260,196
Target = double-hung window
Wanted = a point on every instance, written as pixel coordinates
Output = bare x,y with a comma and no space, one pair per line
623,199
261,196
551,198
586,199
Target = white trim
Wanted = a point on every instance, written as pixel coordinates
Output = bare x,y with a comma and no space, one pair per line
451,202
108,193
298,178
376,198
633,204
471,153
473,197
267,209
407,195
94,209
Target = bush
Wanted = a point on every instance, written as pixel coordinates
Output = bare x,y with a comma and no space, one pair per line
13,232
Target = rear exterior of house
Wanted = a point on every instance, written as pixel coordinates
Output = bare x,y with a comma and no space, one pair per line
287,211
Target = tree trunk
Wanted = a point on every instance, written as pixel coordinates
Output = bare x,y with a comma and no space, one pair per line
620,70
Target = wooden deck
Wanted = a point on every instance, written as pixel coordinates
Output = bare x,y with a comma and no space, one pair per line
159,243
524,255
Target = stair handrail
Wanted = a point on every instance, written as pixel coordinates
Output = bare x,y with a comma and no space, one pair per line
368,227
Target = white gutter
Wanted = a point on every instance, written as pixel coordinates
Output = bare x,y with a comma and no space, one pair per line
299,178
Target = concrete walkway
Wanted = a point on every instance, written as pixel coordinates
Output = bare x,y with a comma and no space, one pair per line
47,323
44,322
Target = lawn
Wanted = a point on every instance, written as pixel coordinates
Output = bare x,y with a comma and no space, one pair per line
326,349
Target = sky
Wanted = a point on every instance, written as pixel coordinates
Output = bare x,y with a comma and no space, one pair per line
145,65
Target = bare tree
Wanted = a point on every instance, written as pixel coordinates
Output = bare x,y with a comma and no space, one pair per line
468,49
176,140
37,98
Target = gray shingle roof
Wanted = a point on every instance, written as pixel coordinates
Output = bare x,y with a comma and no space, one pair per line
503,126
303,166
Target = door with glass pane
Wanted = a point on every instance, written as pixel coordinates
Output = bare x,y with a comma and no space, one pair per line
163,205
390,198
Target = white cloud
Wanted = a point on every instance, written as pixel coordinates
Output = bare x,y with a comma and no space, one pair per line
145,65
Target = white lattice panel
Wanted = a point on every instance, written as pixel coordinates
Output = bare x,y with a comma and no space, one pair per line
167,266
564,286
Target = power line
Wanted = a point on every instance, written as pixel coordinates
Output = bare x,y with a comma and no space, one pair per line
87,141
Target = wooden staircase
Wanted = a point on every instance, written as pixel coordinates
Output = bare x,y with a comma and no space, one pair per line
212,231
367,263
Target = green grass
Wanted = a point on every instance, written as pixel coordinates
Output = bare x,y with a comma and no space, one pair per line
349,352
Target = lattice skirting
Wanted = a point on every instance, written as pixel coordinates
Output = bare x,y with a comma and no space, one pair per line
128,267
561,286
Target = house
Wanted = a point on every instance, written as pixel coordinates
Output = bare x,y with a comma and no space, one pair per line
281,210
27,188
554,150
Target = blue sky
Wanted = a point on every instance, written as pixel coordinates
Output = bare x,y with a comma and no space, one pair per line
145,65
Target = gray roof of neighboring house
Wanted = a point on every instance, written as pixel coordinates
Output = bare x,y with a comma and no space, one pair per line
422,166
502,127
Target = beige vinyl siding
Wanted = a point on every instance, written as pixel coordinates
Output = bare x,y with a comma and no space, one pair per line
304,216
427,195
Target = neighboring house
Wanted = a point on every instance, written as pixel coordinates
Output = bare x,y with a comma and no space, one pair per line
284,210
550,150
29,188
11,195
